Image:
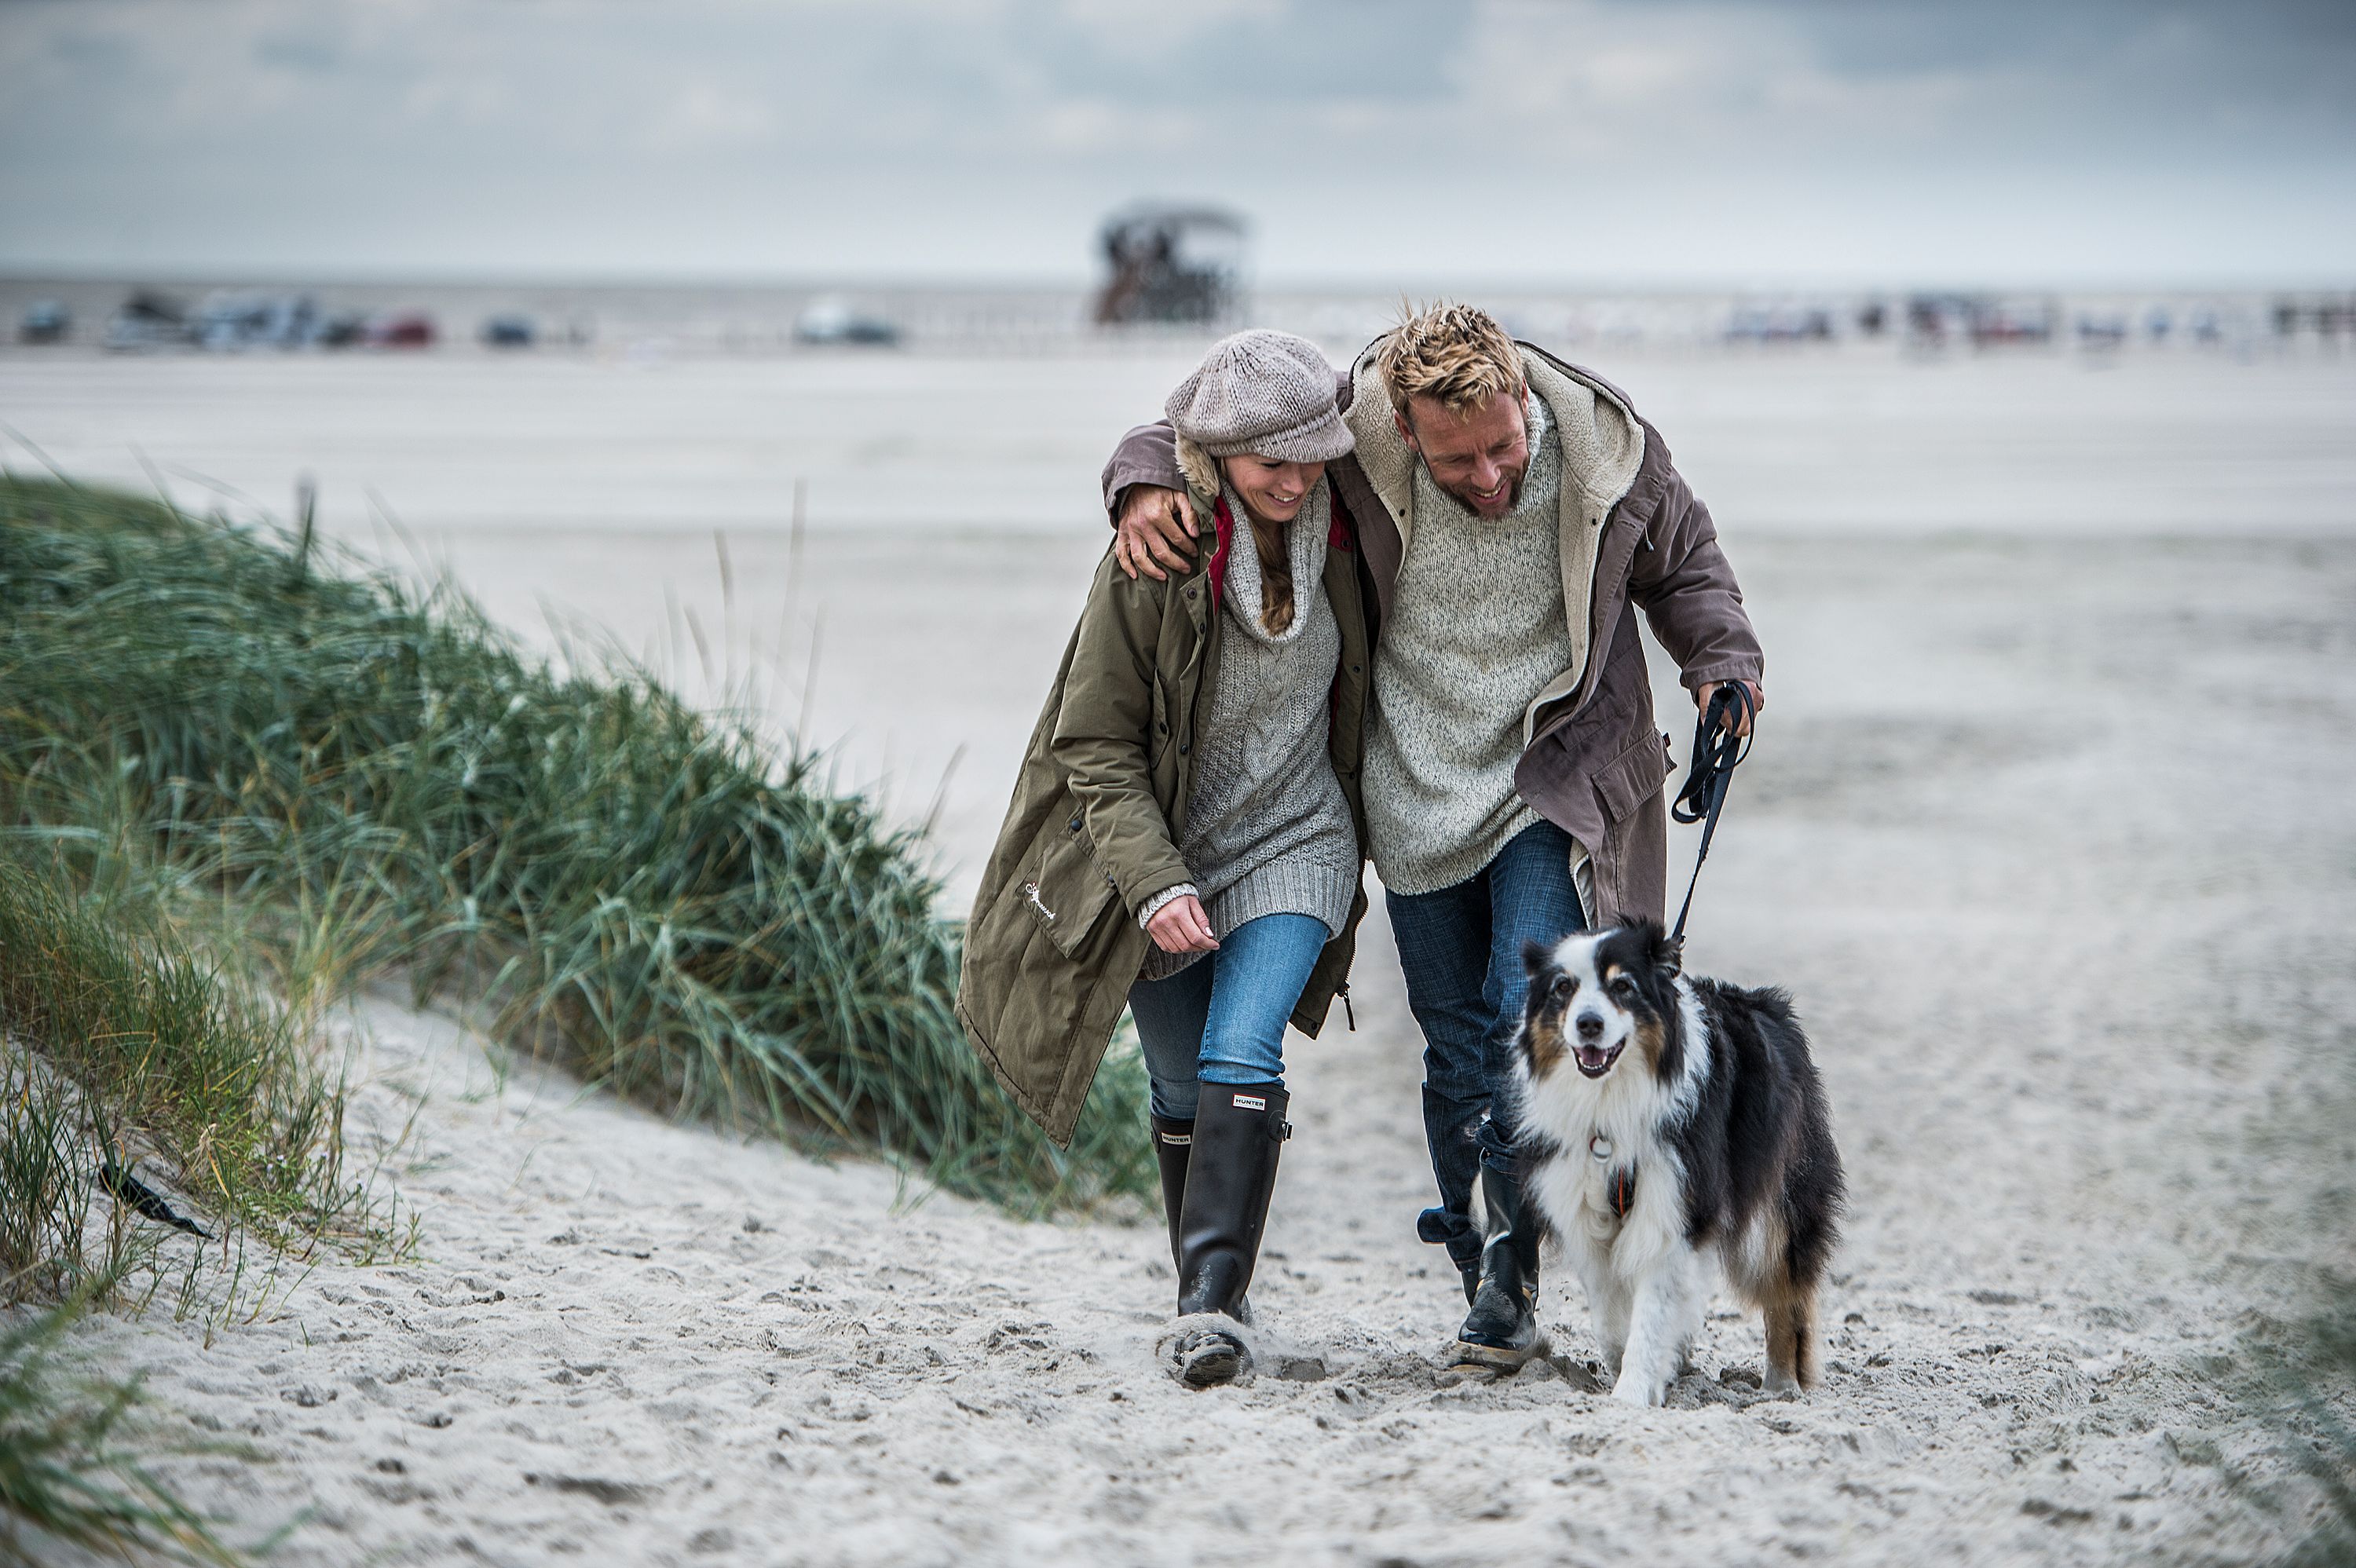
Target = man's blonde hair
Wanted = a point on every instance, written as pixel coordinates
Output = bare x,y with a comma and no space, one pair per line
1454,353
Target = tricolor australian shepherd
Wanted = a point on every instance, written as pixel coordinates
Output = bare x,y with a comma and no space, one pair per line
1672,1120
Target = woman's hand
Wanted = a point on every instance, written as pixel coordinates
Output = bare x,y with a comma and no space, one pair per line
1180,926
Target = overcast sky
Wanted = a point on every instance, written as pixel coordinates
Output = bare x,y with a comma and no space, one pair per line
1617,141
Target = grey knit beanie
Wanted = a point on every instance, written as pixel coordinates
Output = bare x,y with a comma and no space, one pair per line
1269,394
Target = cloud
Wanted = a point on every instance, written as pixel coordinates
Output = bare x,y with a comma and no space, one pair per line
707,114
1628,138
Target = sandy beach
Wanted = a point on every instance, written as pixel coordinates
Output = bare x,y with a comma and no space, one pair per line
2046,830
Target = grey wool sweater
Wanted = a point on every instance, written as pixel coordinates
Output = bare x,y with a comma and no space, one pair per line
1477,628
1267,828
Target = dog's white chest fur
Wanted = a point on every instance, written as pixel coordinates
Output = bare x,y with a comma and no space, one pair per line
1623,1116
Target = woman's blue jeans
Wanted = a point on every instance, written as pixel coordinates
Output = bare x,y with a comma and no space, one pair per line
1221,1020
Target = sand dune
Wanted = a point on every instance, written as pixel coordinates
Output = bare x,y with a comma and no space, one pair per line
2022,834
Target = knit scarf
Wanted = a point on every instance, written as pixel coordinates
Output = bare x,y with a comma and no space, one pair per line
1246,587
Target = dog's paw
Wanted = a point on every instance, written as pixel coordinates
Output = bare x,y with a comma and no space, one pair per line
1782,1385
1638,1391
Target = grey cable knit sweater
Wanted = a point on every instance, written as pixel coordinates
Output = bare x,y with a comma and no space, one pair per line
1477,628
1267,828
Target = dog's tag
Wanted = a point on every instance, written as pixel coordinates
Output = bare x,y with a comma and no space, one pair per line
1600,1147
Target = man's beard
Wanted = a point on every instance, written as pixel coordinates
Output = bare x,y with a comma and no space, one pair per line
1513,492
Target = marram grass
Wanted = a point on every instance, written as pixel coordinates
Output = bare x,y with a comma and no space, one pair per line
129,1053
690,918
128,1056
66,1477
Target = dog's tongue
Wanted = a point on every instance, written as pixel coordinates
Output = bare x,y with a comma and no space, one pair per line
1592,1056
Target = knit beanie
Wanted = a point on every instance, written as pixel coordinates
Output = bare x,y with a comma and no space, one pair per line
1262,393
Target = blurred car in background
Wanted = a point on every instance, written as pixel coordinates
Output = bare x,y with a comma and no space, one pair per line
2102,331
235,321
147,320
403,329
1779,324
509,329
1982,320
44,321
2326,316
833,321
339,329
230,320
2009,321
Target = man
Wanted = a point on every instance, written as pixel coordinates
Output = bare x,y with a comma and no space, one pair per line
1514,515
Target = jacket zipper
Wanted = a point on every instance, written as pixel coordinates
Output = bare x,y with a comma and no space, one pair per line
1348,1012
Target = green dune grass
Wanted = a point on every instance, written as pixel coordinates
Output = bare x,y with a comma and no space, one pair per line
128,1056
129,1053
378,780
66,1475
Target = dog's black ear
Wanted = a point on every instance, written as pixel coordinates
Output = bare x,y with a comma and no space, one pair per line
1536,956
1664,953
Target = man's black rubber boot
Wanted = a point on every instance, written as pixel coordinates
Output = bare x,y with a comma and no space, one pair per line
1501,1333
1239,1131
1173,1142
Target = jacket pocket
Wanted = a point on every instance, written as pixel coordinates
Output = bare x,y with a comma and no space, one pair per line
1063,888
1625,782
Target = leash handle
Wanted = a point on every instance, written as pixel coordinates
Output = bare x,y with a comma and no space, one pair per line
1718,749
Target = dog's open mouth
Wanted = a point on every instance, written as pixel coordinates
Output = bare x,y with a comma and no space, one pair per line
1595,1061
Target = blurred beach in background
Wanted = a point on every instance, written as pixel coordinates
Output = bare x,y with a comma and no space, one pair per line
893,538
655,320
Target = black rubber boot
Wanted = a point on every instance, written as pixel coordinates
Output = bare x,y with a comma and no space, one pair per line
1501,1333
1173,1142
1239,1131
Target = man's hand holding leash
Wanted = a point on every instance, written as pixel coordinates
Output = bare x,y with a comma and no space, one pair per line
1739,717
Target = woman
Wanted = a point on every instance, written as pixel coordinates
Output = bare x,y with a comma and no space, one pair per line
1197,765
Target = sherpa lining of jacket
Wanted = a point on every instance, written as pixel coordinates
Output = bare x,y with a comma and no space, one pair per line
1603,446
1201,469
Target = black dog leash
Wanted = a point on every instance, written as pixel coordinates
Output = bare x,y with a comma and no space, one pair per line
1718,750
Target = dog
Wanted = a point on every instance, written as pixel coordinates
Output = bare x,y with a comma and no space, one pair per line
1709,1139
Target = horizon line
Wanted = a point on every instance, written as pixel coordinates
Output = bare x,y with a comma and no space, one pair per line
15,274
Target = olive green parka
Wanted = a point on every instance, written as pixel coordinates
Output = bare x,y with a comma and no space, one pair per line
1053,945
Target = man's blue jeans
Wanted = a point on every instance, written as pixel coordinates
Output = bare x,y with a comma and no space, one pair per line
1460,949
1221,1020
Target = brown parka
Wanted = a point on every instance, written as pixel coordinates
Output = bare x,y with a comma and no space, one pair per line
1593,763
1053,945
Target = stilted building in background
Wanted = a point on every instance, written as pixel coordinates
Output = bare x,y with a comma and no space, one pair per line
1171,265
